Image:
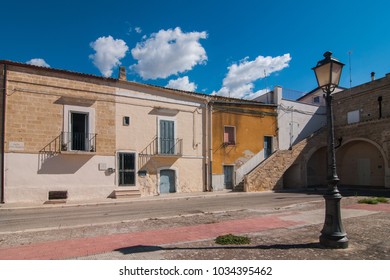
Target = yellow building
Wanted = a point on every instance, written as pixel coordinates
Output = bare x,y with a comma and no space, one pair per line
243,135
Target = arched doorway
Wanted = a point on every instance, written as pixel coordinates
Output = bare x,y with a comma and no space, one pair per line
316,169
292,177
360,163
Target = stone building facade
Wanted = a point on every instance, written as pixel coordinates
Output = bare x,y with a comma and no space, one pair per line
83,137
362,137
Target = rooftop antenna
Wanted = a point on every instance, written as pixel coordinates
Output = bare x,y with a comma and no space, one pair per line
350,69
265,79
266,86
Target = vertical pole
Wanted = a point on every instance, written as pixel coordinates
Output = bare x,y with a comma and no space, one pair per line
333,234
2,133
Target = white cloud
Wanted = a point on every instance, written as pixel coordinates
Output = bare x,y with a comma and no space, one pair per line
108,54
168,52
182,84
239,80
138,29
38,62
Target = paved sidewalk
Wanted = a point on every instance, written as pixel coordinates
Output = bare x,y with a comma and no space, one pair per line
81,247
73,203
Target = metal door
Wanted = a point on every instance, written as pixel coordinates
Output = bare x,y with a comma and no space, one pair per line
167,181
228,171
267,146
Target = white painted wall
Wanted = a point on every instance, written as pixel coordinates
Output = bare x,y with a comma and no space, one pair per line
145,109
248,166
296,120
29,177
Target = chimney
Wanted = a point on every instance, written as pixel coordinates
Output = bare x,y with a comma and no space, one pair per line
372,76
122,73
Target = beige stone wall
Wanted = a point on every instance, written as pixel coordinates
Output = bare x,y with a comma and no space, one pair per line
35,107
363,98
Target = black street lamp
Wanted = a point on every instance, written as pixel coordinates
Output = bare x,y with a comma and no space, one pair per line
333,235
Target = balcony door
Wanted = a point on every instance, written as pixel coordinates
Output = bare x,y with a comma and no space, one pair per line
79,131
167,137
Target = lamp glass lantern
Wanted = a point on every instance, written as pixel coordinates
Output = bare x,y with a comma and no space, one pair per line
328,72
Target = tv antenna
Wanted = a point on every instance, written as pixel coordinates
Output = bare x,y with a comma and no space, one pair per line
350,69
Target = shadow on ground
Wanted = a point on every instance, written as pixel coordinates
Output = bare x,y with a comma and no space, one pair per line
149,249
346,191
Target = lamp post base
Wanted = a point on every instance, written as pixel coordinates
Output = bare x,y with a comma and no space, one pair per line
333,235
331,242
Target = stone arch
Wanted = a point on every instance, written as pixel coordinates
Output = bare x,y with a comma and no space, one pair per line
316,168
361,162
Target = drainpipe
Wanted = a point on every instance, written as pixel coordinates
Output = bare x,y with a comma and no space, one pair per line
205,139
3,135
210,140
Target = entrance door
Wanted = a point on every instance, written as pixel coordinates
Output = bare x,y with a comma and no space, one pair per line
167,181
167,137
267,146
79,131
228,171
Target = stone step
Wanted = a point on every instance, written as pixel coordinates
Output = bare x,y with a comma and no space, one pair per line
126,193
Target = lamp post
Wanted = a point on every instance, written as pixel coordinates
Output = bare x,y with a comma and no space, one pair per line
333,235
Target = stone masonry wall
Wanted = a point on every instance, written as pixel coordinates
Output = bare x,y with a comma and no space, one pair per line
269,174
35,107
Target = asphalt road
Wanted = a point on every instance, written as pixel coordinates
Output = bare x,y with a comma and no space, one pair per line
16,220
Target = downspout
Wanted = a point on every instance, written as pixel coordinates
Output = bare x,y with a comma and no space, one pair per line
210,140
3,135
205,148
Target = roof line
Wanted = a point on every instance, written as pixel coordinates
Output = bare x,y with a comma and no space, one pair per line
195,94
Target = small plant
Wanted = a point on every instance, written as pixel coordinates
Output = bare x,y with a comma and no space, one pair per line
373,200
230,239
382,199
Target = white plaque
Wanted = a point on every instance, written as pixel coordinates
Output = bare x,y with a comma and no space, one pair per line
16,146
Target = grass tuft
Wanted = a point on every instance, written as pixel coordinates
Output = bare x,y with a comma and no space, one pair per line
230,239
373,200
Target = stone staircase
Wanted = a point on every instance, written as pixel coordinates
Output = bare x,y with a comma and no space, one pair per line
126,193
268,175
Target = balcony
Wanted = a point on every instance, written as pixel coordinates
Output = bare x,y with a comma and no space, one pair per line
164,147
81,142
71,143
161,147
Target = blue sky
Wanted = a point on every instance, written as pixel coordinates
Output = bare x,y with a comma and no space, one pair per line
215,47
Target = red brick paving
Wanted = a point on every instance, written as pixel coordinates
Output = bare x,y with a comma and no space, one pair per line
385,207
65,249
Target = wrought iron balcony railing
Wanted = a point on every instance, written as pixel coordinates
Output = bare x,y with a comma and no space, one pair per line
74,141
71,141
164,147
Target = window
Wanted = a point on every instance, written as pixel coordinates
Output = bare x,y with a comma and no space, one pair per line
126,121
126,166
316,99
229,135
353,117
